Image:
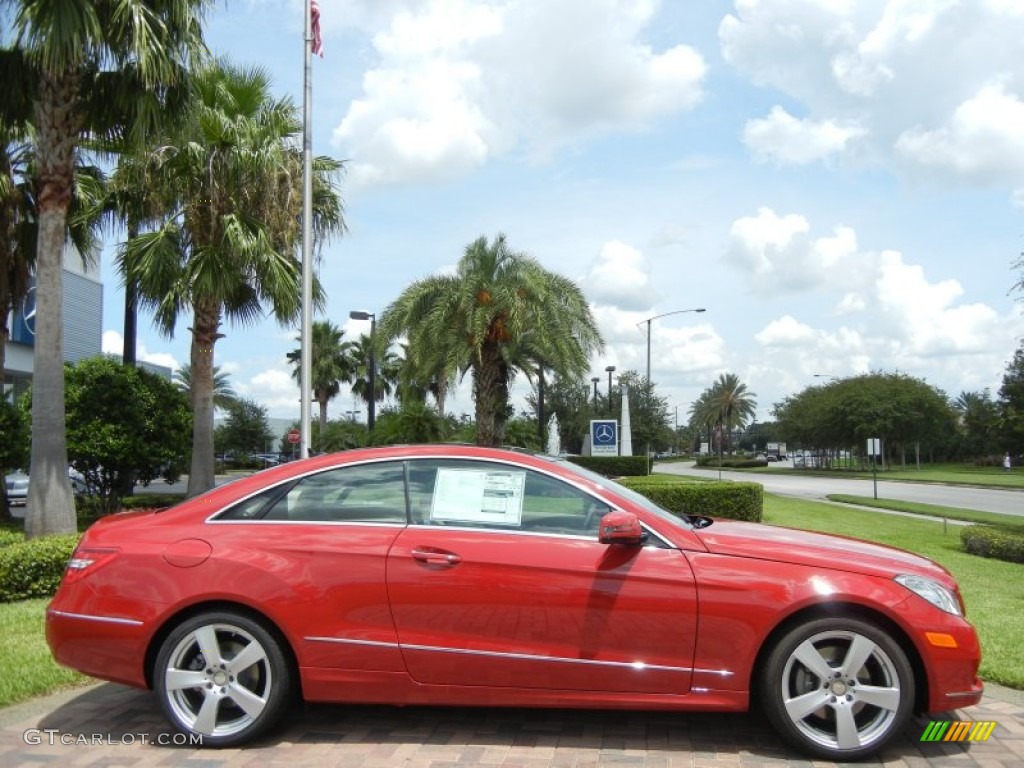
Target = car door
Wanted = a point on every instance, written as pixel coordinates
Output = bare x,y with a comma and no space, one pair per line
320,546
501,581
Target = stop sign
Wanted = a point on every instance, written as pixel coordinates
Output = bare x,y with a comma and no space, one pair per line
294,436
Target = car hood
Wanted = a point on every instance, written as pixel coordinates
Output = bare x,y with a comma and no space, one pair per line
819,550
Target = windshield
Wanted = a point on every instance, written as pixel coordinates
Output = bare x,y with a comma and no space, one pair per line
637,498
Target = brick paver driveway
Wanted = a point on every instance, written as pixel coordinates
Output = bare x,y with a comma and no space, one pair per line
106,725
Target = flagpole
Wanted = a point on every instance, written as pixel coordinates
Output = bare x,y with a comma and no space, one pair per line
306,368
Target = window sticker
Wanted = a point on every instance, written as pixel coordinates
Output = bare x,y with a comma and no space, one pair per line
478,496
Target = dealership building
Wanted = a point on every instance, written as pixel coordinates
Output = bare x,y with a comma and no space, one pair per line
82,308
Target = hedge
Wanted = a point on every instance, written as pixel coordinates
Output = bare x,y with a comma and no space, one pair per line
152,500
614,466
736,501
731,462
34,568
990,541
8,537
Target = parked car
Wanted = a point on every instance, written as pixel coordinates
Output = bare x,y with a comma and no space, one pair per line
462,575
17,488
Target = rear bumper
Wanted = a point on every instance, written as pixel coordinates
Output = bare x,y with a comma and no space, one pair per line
106,647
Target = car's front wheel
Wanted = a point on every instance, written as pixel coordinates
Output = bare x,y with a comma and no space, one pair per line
224,677
837,688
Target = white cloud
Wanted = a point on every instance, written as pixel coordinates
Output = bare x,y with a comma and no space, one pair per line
785,332
620,277
275,389
459,82
113,344
776,253
981,141
924,317
933,85
785,139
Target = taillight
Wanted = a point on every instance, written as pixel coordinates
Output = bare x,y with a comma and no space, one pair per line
85,560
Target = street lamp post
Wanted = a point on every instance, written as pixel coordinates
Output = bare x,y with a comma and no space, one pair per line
594,381
649,392
648,321
371,406
610,369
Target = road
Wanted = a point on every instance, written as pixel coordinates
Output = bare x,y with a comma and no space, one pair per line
814,487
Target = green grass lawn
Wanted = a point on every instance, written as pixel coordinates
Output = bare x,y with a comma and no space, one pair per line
26,667
956,474
935,510
992,589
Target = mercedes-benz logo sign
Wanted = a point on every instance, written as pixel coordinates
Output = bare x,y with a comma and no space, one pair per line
28,312
604,433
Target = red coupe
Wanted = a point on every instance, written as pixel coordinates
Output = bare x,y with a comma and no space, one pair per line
461,575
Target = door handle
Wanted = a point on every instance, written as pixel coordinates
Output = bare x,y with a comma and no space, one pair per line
436,558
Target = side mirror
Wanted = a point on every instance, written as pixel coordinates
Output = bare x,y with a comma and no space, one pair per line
621,528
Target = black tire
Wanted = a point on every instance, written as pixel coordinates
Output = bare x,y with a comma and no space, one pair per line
228,699
837,688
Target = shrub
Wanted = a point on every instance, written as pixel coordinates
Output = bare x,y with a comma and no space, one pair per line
9,536
614,466
991,541
731,462
152,501
736,501
34,568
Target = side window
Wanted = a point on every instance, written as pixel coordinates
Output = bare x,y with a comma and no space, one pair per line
499,496
251,508
366,493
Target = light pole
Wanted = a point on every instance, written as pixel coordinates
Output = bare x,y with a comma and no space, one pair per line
648,321
357,314
594,381
610,369
649,392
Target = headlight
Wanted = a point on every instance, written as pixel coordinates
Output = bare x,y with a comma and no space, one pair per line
936,594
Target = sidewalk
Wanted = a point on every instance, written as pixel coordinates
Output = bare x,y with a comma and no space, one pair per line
110,725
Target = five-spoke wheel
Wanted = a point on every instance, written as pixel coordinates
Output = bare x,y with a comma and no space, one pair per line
222,676
838,688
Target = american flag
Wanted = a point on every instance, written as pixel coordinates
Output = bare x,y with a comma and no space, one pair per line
318,43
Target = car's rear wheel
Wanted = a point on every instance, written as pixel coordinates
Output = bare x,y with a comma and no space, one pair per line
837,688
222,676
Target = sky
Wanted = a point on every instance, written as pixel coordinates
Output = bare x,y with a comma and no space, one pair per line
840,183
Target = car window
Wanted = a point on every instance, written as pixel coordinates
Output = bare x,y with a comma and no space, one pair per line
365,493
499,496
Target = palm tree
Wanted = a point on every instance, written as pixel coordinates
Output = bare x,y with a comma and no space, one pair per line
500,313
85,69
224,396
416,380
332,364
704,415
234,171
732,402
133,201
386,376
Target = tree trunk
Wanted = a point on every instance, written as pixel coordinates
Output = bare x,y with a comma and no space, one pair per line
131,307
204,335
51,505
323,419
490,387
441,394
